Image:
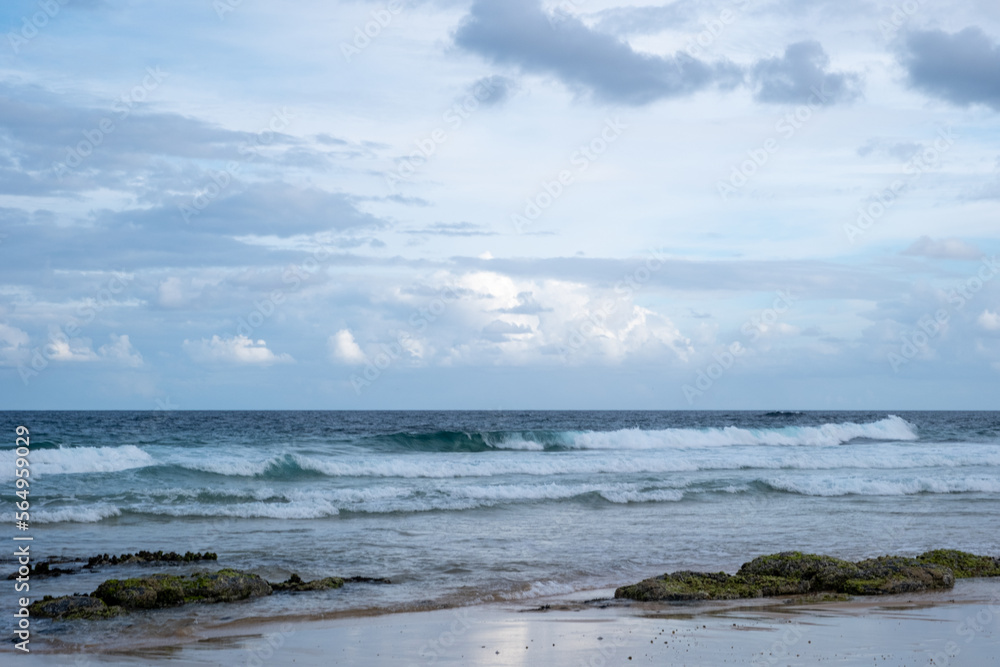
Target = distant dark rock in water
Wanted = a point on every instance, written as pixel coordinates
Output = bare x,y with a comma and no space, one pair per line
166,590
795,573
73,607
150,557
367,580
295,584
42,570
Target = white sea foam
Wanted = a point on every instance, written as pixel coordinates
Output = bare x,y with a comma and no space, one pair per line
451,465
79,514
845,486
78,460
891,428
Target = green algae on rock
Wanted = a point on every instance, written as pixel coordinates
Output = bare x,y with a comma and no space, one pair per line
962,563
295,584
166,590
73,607
796,573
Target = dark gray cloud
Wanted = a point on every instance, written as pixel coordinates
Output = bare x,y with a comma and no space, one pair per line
263,208
646,20
520,33
493,91
800,76
963,68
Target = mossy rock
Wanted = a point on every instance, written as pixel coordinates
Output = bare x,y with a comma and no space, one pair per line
166,590
822,572
891,575
295,584
796,573
73,607
963,564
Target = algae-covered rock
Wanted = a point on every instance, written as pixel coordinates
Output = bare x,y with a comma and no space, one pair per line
962,563
73,607
295,584
888,575
821,572
166,590
796,573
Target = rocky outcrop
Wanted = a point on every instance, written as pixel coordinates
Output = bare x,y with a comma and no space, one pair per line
141,557
295,584
167,590
963,564
73,607
796,573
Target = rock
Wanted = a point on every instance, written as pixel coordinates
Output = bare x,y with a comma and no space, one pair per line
140,557
889,575
166,590
73,607
42,570
367,580
963,564
295,584
795,573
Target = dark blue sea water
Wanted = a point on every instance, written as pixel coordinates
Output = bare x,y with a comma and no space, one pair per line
459,507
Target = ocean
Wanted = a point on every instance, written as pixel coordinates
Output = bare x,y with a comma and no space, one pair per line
458,508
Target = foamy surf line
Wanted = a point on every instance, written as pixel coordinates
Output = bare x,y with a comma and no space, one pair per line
891,428
79,460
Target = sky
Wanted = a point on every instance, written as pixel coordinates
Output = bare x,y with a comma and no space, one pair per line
500,204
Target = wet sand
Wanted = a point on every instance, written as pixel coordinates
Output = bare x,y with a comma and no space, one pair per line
956,627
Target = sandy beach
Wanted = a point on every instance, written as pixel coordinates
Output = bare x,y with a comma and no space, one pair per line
956,627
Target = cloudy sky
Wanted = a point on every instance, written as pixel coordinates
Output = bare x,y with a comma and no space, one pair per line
500,204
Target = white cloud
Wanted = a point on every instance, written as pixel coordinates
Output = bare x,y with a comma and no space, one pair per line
498,319
13,345
344,349
120,350
238,350
171,293
61,348
989,321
